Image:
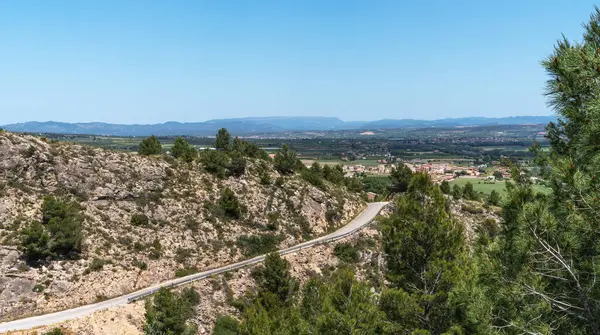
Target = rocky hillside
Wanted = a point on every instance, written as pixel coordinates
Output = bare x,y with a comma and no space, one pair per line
145,219
363,252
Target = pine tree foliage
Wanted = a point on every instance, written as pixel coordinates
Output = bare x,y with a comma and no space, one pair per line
426,252
167,313
183,150
400,177
546,261
150,146
59,234
286,161
223,140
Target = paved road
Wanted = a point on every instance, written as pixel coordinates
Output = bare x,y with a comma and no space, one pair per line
360,221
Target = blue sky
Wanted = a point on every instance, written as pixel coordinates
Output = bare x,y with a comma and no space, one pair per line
154,61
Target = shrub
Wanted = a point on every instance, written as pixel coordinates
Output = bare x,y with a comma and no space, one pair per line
156,250
494,198
376,184
66,236
141,265
285,160
346,252
185,272
53,207
456,192
190,295
305,227
97,264
182,149
468,192
59,234
273,223
191,223
334,175
253,245
215,162
29,152
487,230
35,242
55,331
226,325
313,178
400,177
445,187
223,140
181,254
237,167
279,181
231,206
139,220
274,278
167,313
331,215
355,185
150,146
138,246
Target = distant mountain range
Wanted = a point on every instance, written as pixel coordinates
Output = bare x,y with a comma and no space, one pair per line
260,125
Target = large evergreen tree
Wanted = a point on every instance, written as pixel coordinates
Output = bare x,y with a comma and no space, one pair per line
426,253
547,260
223,140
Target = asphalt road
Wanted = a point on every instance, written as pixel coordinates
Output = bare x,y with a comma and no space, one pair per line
360,221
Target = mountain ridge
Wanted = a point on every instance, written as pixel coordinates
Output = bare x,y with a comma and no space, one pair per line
257,125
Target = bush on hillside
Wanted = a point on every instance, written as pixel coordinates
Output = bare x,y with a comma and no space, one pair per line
231,206
237,167
215,162
60,234
346,252
285,160
139,220
226,325
254,245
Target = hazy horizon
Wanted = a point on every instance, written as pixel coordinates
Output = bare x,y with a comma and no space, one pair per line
281,116
140,62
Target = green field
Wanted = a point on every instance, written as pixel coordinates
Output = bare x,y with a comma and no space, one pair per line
365,162
499,186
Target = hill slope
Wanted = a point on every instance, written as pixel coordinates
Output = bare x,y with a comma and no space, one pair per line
144,218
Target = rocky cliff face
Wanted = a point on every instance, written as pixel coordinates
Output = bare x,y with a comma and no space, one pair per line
184,227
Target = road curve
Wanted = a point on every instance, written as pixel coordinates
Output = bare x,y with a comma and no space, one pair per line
360,221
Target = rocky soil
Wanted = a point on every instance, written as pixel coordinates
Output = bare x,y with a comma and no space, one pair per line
217,291
178,198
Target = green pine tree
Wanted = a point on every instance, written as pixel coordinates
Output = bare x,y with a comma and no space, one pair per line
150,146
286,161
223,140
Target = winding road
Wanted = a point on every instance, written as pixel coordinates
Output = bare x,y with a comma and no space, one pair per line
364,218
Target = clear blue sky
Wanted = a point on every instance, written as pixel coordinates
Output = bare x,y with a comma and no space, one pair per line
154,61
